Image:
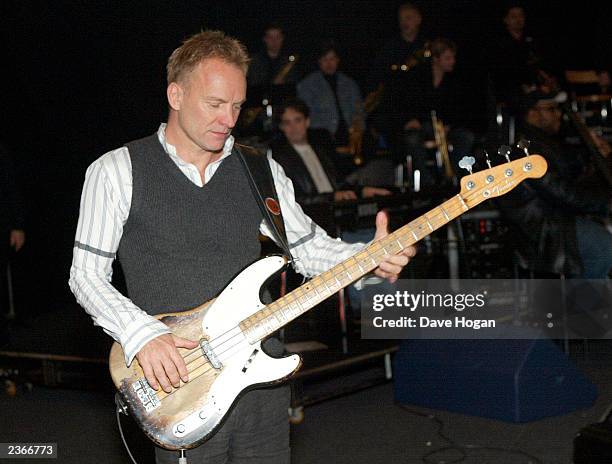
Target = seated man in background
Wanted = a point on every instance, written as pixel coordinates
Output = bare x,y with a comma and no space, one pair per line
430,87
335,102
559,219
306,156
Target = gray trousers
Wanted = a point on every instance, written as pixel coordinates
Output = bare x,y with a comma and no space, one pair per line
255,432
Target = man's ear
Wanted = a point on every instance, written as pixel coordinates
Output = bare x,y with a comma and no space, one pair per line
175,94
307,123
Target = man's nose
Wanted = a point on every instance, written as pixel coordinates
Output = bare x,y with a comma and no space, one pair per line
228,117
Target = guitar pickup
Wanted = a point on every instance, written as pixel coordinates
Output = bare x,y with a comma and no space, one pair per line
250,360
208,352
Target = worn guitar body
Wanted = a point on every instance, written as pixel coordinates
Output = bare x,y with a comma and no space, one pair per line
190,414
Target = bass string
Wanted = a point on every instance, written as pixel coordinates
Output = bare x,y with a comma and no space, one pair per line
453,209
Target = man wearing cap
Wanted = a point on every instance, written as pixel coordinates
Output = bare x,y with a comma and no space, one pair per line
559,218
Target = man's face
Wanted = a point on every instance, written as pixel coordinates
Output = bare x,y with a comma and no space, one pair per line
409,21
208,104
546,116
273,38
328,63
446,61
515,19
295,126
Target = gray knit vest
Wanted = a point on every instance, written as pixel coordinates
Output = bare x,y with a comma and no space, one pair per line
182,244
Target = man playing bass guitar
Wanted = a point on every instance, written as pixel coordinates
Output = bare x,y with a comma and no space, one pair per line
178,210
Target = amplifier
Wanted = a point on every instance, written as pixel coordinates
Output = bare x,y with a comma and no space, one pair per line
486,247
509,380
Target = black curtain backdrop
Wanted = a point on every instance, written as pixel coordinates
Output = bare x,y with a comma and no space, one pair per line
83,77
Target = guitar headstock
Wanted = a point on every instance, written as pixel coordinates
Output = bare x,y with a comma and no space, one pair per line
499,180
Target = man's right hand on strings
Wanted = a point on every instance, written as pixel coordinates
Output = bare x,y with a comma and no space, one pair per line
161,362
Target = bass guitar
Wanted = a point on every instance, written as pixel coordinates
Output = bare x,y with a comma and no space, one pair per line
229,360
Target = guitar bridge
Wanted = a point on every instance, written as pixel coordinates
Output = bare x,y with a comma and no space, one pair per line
208,352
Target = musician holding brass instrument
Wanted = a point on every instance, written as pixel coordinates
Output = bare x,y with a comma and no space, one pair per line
335,104
273,73
431,87
273,65
391,65
182,211
401,52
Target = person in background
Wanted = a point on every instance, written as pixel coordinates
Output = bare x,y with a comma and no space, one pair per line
432,87
12,225
400,50
559,220
306,156
388,71
272,76
273,64
334,100
517,61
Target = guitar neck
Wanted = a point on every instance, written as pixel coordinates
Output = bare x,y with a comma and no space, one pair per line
302,299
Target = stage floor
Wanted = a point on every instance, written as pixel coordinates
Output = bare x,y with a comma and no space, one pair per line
363,428
342,421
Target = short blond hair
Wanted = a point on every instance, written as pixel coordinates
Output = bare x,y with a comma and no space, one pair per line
202,46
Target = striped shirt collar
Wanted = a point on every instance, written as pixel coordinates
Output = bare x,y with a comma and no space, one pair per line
171,149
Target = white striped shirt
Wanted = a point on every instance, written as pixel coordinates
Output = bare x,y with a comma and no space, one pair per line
104,210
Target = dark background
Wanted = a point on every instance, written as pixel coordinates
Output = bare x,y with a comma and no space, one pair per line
82,77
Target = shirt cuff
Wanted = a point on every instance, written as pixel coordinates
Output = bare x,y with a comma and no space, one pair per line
138,333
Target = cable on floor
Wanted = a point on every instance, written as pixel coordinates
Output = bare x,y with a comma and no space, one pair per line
463,450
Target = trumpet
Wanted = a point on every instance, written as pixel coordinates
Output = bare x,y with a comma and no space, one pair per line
441,143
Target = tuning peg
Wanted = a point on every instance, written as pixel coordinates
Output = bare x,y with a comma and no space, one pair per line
467,162
523,145
504,151
488,161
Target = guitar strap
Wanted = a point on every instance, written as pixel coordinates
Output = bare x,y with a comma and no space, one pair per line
258,171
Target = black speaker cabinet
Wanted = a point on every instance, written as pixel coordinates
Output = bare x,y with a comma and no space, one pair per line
509,380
